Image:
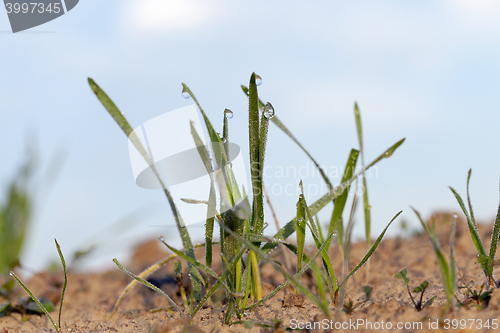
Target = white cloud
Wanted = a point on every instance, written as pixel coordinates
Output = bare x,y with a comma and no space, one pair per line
167,16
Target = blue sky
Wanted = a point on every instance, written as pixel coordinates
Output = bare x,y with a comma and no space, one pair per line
425,70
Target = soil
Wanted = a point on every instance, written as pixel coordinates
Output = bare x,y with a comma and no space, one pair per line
90,297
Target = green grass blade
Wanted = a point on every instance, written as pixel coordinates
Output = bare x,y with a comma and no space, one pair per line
476,239
300,228
359,129
63,262
33,297
209,226
225,132
149,285
468,198
214,138
127,129
264,127
366,205
322,248
119,118
472,226
367,210
219,282
320,283
254,263
15,214
443,264
369,253
320,231
254,140
278,123
198,265
318,239
289,228
350,225
216,141
452,277
495,235
283,271
340,201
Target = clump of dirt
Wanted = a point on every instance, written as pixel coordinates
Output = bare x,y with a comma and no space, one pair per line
90,297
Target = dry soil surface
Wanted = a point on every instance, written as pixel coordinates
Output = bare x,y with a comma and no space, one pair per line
90,297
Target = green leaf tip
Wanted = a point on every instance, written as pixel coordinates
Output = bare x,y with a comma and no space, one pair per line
403,275
388,153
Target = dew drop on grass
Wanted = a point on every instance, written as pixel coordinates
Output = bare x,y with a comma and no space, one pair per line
229,113
185,94
455,216
258,80
11,273
162,239
269,111
388,153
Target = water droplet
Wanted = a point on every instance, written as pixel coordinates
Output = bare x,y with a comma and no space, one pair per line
162,239
11,273
269,111
258,80
185,94
229,113
455,216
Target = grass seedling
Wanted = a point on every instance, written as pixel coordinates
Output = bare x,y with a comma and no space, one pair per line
479,298
15,214
447,268
484,259
349,307
178,278
366,204
43,307
242,225
127,129
419,305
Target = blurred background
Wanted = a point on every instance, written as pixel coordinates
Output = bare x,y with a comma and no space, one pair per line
425,70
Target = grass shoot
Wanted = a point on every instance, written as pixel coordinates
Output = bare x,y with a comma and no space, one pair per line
242,243
44,307
446,267
485,260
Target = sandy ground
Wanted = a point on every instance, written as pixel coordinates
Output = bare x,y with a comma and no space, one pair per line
90,297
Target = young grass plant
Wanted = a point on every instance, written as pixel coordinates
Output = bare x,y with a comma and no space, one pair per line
127,129
15,216
366,204
419,305
484,259
243,246
447,268
349,307
43,307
